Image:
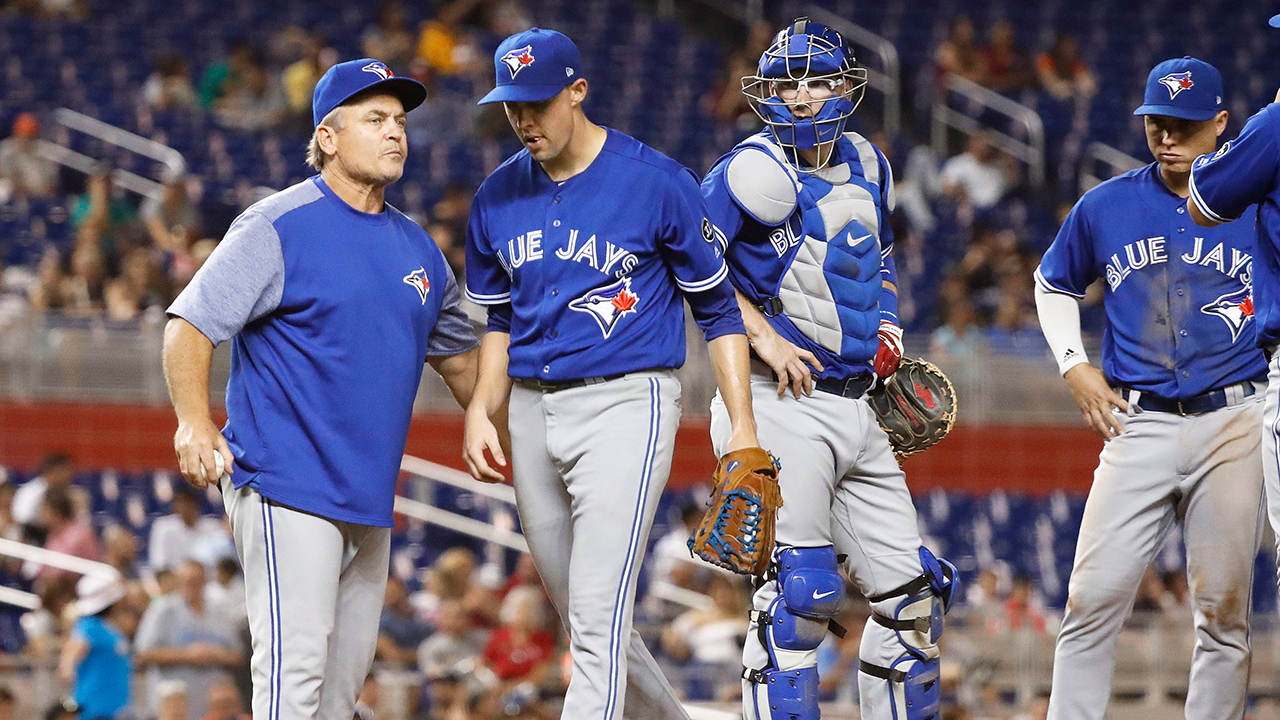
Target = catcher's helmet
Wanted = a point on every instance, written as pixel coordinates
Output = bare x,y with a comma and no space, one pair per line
818,58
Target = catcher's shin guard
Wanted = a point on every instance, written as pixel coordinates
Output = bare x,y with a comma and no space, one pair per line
898,678
793,612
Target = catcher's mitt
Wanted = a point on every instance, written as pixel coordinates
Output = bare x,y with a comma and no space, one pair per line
916,406
737,530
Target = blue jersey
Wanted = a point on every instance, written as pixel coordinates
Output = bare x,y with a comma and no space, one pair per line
1179,312
104,675
583,273
333,312
817,246
1226,185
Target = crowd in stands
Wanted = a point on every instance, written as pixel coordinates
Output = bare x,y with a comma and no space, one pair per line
969,227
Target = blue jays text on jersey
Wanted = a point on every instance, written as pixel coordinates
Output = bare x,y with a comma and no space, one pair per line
1227,184
816,246
583,273
1178,303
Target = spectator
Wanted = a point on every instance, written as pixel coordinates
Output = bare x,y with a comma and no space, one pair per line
171,697
455,252
224,703
173,221
56,470
670,562
257,102
447,658
400,631
66,533
102,217
959,340
45,626
7,703
520,650
22,167
452,578
180,638
389,39
445,116
186,534
225,593
300,77
84,291
225,75
959,54
444,44
1023,610
727,103
47,292
1061,71
709,640
120,301
96,658
169,85
976,175
1007,67
121,550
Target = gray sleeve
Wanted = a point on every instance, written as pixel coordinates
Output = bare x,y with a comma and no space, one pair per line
242,280
453,334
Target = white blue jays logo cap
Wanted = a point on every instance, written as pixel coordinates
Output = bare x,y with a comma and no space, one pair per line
1184,88
345,80
533,66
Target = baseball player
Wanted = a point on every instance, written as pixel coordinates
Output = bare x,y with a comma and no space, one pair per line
333,300
578,245
805,207
1178,362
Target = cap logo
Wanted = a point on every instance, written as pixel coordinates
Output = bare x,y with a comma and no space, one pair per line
1177,82
568,72
518,59
378,69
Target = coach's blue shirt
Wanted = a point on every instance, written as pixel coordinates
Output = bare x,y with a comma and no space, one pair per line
333,312
1179,311
1244,173
583,273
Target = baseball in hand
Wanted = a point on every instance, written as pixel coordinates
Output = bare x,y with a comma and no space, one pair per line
218,466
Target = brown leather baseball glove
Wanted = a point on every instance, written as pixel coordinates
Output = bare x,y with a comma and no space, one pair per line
737,530
916,407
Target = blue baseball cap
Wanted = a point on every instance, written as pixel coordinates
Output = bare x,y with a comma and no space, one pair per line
1183,88
532,66
345,80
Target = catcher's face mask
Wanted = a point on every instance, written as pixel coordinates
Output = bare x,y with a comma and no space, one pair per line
806,88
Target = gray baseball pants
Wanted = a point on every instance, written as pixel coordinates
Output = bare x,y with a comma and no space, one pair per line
590,464
1204,471
314,590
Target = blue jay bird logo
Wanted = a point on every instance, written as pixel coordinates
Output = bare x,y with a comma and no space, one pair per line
608,304
1177,82
518,59
418,281
1235,309
378,69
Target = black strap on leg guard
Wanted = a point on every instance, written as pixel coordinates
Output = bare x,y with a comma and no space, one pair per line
882,672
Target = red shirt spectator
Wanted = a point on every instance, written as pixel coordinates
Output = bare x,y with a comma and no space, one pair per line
66,535
512,653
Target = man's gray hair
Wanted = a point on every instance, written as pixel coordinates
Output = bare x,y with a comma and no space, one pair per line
316,157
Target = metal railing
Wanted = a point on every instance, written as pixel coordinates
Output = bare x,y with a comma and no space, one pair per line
107,133
41,556
1030,151
888,78
79,161
1098,153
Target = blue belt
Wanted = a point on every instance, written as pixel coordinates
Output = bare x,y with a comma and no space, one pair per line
854,387
1202,403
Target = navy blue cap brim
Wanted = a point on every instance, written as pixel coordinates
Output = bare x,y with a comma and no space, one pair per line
521,93
1274,21
411,92
1177,112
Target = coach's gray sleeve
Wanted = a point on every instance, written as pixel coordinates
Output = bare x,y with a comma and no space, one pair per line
453,334
242,280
